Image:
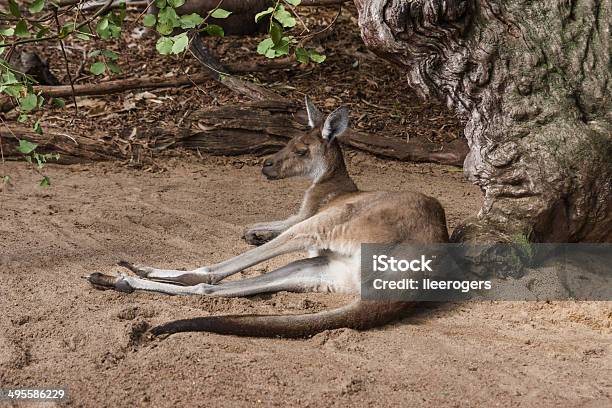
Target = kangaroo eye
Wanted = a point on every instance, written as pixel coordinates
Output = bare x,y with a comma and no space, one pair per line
301,152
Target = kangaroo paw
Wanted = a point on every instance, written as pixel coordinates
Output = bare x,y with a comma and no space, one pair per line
104,282
255,237
140,270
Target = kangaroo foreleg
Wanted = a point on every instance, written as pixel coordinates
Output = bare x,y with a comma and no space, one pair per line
306,275
212,274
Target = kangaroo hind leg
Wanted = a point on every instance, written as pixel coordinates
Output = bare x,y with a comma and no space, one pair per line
305,275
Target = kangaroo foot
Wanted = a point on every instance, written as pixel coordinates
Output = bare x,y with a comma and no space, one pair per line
104,282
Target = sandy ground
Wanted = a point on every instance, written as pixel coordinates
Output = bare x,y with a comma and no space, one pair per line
58,331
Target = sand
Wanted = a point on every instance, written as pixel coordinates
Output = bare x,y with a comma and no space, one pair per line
56,330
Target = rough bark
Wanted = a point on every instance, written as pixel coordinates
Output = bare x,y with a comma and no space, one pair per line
533,81
70,148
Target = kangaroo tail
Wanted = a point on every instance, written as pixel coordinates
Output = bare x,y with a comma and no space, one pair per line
357,315
208,60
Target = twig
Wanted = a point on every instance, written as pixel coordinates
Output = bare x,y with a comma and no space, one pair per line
295,13
1,151
148,6
81,67
76,108
119,85
311,36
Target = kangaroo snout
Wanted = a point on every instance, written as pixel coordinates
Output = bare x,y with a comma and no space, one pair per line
269,170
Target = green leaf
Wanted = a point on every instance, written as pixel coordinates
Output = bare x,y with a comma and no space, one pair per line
262,14
114,68
294,2
149,20
175,3
167,20
45,182
115,31
97,68
36,6
14,8
8,31
42,32
282,48
59,102
220,13
213,29
160,4
102,28
37,128
9,78
13,90
28,103
191,20
67,29
284,17
82,36
270,53
314,56
276,33
102,24
40,160
94,53
302,55
110,54
21,29
26,147
264,46
164,45
181,42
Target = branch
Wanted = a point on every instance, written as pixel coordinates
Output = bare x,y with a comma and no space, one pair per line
102,10
61,43
120,85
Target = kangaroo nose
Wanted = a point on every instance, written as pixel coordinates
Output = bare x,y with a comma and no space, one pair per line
268,162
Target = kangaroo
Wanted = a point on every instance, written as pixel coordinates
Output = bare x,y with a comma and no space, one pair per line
334,219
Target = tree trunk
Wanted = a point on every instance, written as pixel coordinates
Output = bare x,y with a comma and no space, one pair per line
533,80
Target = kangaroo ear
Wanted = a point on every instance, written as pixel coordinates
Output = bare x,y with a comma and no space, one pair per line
335,124
314,115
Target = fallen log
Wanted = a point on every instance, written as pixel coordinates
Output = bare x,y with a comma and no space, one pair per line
71,148
270,122
258,128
